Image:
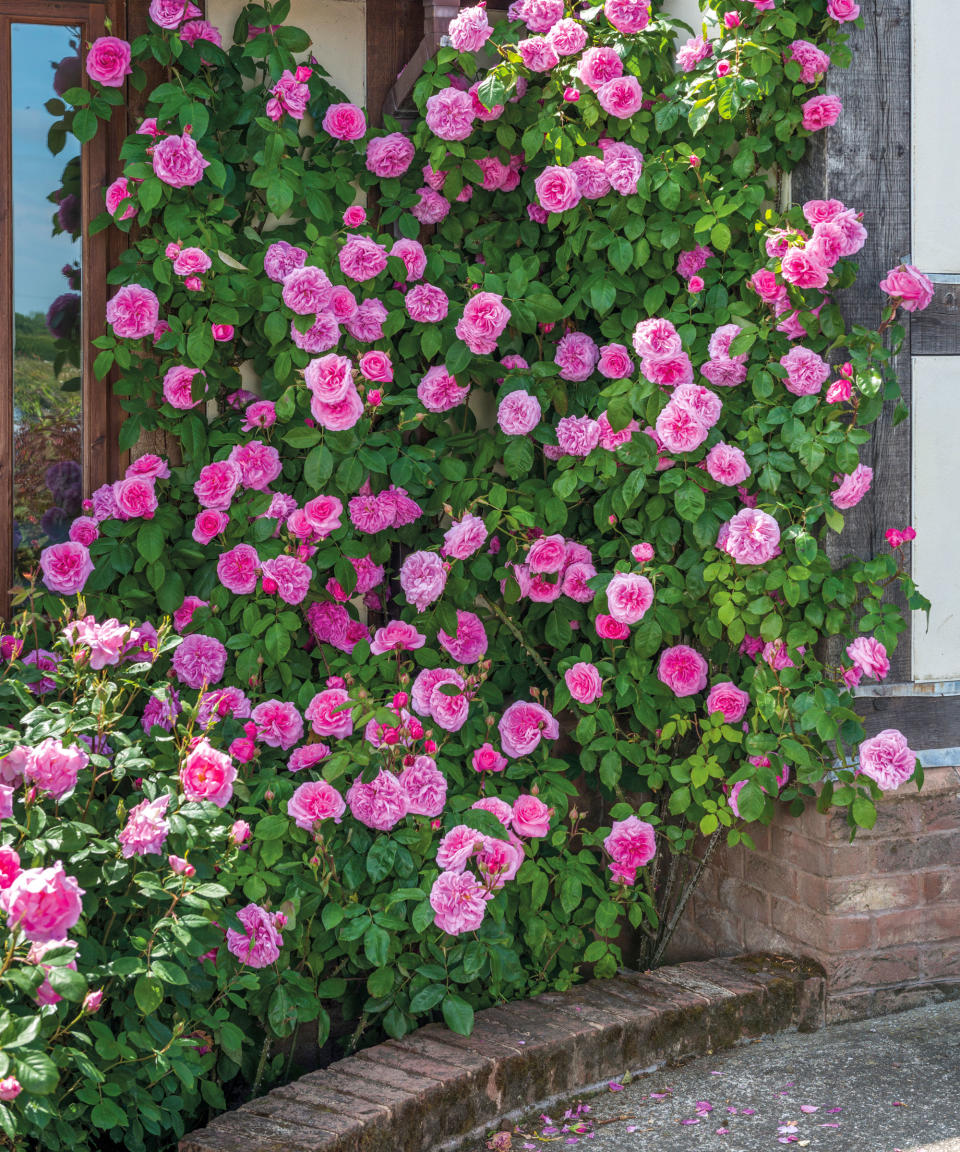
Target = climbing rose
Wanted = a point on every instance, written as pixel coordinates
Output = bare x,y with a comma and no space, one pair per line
397,636
450,114
207,774
806,371
683,670
464,537
568,37
598,65
727,464
238,568
577,355
557,189
629,595
177,161
487,759
869,656
344,122
259,946
200,661
132,312
424,786
853,487
751,537
314,801
621,97
522,725
43,902
627,16
108,61
908,286
278,722
470,30
288,577
519,413
146,828
470,643
631,844
727,698
171,13
459,902
577,435
54,766
119,192
584,682
65,567
438,391
531,817
843,10
694,50
821,112
422,578
887,759
381,804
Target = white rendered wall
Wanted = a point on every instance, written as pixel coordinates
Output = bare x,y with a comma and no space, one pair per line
936,133
936,486
338,31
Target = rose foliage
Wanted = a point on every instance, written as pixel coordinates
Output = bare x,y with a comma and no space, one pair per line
489,577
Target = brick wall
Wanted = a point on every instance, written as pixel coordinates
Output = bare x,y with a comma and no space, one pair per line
882,915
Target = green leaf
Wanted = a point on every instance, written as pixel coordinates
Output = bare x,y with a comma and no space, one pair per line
271,827
864,812
458,1015
148,993
36,1072
84,124
200,344
720,236
376,945
690,501
750,802
281,1012
427,998
107,1114
150,540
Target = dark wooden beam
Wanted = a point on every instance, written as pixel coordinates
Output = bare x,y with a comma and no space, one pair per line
936,331
926,721
395,28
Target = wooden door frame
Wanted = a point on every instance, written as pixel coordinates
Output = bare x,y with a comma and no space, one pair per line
100,411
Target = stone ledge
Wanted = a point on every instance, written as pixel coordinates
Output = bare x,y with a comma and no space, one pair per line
435,1088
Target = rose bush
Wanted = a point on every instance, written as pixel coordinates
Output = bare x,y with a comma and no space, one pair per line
489,616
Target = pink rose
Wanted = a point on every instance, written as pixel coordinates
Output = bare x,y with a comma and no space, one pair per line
470,643
623,165
43,902
207,775
412,254
459,902
821,112
465,537
10,1088
484,318
329,713
683,670
523,725
568,37
548,554
577,355
656,337
870,656
615,362
584,682
886,758
362,259
843,10
381,804
171,13
470,30
642,552
752,537
668,370
629,596
397,636
65,567
727,464
344,122
680,430
307,756
621,97
209,523
146,828
577,435
450,114
132,312
519,413
135,498
258,946
853,488
119,192
538,54
104,643
908,287
200,661
693,51
557,189
598,65
217,483
424,786
531,817
278,722
610,629
54,767
84,530
438,391
281,259
487,759
631,844
315,801
627,16
177,161
108,61
178,387
355,216
727,698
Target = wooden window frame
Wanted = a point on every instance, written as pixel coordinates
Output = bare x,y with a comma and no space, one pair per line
100,413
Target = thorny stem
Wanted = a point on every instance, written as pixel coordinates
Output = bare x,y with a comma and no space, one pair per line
684,898
505,619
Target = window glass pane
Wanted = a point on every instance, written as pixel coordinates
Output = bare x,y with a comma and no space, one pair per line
46,289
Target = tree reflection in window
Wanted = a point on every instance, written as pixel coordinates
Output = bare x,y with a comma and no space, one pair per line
47,225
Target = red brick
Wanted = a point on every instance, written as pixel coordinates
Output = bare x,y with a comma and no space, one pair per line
926,850
941,960
876,968
941,886
918,925
848,895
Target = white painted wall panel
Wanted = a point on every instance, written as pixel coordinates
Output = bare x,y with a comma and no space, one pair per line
936,133
936,516
687,10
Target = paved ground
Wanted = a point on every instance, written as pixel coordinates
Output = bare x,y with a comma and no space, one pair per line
888,1085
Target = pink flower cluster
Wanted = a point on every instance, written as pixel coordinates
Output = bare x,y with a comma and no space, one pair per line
556,567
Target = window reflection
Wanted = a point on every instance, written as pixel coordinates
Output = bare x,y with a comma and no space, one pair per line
47,225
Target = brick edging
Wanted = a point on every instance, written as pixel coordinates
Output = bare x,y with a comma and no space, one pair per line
433,1087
